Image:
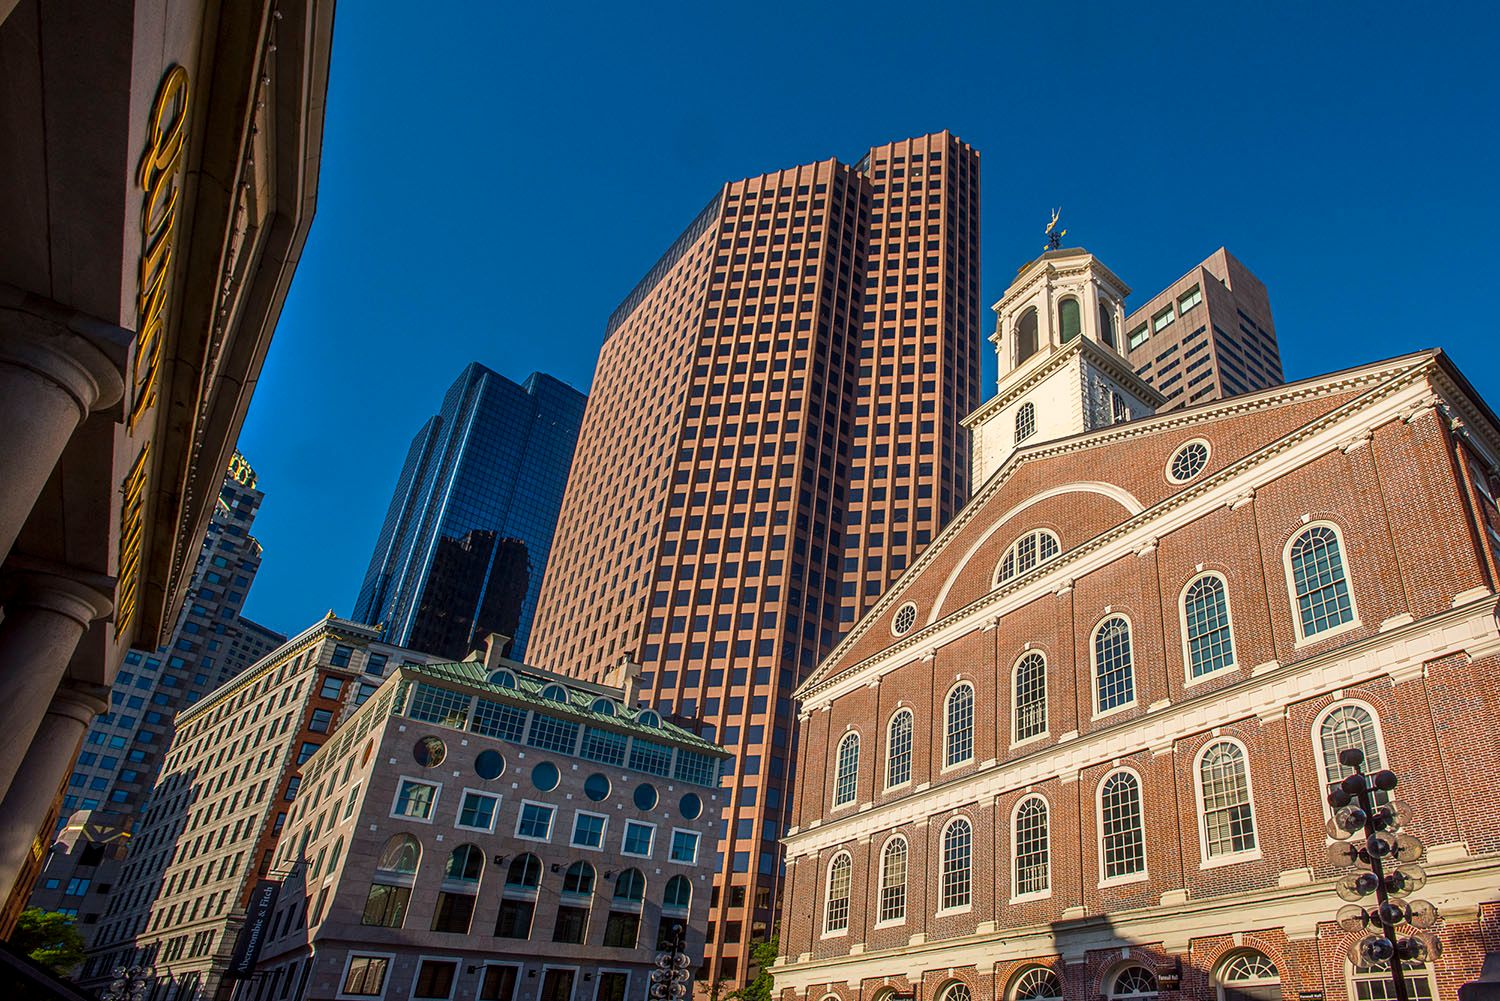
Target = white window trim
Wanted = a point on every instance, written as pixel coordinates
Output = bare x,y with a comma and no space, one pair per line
396,799
599,979
897,613
1317,743
838,757
910,749
494,814
880,884
1015,669
603,831
941,841
350,802
542,980
973,734
518,967
1302,639
828,896
1426,974
521,814
1135,687
1232,858
1208,449
625,832
1182,625
385,985
1140,788
1015,868
697,846
458,974
995,578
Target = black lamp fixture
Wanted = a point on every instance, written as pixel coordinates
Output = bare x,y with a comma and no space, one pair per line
670,978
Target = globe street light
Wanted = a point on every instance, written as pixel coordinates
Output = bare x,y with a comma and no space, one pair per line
670,979
129,983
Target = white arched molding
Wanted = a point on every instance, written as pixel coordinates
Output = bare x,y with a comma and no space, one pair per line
890,844
973,719
848,743
1317,741
1291,583
1230,858
942,867
1182,625
1143,873
1016,892
900,770
836,921
1015,702
1121,496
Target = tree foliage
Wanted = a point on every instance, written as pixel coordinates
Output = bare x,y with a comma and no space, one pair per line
48,938
762,955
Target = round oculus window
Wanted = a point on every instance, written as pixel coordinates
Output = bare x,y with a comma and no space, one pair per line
690,806
645,796
1188,461
545,776
904,619
429,751
596,787
489,765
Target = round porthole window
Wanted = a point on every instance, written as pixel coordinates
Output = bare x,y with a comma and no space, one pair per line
545,776
645,796
904,619
690,806
1188,461
429,751
596,787
489,764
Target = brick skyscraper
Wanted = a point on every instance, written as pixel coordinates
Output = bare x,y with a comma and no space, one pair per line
772,436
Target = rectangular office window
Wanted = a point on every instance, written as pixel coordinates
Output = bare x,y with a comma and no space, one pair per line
514,920
572,925
646,756
603,746
385,907
588,830
535,823
1161,321
1137,337
453,912
331,687
321,722
638,838
341,654
622,930
415,799
1189,299
439,705
685,847
435,980
306,751
493,719
552,734
366,976
477,811
498,983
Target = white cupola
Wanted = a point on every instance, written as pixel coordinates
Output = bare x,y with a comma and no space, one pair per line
1057,337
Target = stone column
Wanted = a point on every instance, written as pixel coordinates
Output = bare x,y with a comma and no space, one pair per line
51,378
45,617
46,764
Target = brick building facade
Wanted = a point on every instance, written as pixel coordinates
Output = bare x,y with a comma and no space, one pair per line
1079,749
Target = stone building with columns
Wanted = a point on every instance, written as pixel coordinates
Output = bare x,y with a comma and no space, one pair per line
1079,749
160,169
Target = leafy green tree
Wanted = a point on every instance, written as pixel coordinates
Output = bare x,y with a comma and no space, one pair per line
48,938
762,955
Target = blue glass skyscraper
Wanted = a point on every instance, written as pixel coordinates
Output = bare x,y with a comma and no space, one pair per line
465,541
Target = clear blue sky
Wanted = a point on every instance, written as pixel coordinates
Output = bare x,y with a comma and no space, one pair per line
496,177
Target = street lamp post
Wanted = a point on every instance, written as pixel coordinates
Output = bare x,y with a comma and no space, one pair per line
1369,835
129,983
669,981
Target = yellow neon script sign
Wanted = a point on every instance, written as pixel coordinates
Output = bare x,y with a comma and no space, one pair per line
241,471
132,537
160,168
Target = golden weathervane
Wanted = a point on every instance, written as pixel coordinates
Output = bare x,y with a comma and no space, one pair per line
1053,234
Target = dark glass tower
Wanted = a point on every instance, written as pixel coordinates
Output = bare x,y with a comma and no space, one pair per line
466,538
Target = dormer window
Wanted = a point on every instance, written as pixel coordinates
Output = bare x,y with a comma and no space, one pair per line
555,693
649,717
502,678
603,706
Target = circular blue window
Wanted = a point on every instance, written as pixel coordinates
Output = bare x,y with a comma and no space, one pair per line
545,776
596,787
645,795
489,764
690,806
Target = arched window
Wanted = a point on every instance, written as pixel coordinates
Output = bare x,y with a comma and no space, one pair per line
1319,585
957,872
1036,983
1224,792
898,748
1205,626
1122,846
1107,325
836,911
958,729
956,991
1373,983
1133,983
579,879
390,890
846,772
1249,976
1119,411
1030,687
1030,550
1069,319
630,887
400,856
465,865
1026,336
893,866
525,872
502,678
1025,421
679,895
1114,670
555,693
1032,862
603,706
1349,724
649,717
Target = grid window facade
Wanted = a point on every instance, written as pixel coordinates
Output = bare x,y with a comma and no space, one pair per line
1228,824
652,758
1373,983
846,773
1350,726
1114,671
959,725
1319,582
432,704
898,749
893,869
840,876
958,857
1205,609
603,746
552,734
1031,696
494,719
699,769
1033,860
1124,846
535,822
